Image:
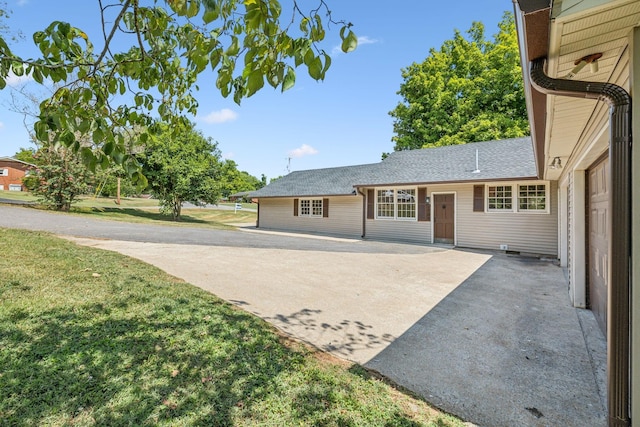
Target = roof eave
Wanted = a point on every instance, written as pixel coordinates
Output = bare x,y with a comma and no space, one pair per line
11,159
532,25
281,196
458,181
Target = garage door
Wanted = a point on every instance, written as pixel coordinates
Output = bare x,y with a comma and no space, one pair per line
598,238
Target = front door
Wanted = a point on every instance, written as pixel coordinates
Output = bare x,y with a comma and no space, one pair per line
443,218
598,237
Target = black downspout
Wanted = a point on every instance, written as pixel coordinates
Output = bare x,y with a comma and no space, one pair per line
364,213
618,306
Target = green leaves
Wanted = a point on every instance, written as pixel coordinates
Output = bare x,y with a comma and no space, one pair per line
181,165
104,94
469,90
349,42
289,79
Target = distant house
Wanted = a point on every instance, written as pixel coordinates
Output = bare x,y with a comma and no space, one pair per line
11,173
482,195
242,196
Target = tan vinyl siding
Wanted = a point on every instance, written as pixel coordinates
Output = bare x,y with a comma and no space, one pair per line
522,232
403,231
345,216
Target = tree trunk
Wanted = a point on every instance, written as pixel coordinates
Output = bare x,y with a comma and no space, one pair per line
118,192
176,209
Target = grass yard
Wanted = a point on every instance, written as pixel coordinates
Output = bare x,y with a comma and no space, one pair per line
90,337
141,210
212,218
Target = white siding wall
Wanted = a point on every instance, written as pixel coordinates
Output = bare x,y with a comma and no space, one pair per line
345,217
522,232
405,231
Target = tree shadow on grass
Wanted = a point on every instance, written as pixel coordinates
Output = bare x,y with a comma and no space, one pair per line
89,363
180,363
139,213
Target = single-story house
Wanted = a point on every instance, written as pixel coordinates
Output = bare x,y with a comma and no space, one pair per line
242,196
11,173
581,67
480,195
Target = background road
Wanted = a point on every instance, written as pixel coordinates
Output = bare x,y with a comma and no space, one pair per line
80,226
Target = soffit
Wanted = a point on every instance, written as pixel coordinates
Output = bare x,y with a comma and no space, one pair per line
605,29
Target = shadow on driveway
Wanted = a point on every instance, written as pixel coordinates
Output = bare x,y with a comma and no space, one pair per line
505,348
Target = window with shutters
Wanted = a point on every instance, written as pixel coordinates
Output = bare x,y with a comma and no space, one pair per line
385,204
310,208
396,203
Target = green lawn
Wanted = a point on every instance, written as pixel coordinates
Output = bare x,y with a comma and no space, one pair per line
142,210
211,218
90,337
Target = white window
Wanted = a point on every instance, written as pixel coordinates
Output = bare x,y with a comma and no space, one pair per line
394,203
311,207
406,204
385,202
527,198
4,172
15,187
500,198
532,197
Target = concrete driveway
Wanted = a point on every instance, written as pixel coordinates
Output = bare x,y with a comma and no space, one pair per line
487,336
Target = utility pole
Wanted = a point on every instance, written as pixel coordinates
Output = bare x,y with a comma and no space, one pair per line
118,193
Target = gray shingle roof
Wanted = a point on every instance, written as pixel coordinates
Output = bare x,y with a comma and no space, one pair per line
503,159
497,160
318,182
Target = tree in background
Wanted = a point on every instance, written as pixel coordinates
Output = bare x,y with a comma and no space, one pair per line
168,44
107,183
470,90
234,180
26,155
181,167
60,177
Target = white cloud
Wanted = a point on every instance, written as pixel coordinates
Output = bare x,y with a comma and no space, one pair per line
228,156
221,116
1,125
303,150
13,80
362,40
366,40
22,2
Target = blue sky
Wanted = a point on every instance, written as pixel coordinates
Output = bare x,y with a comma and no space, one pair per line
341,121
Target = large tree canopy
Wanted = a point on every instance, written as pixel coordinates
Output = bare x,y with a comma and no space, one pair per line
469,90
105,90
181,166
